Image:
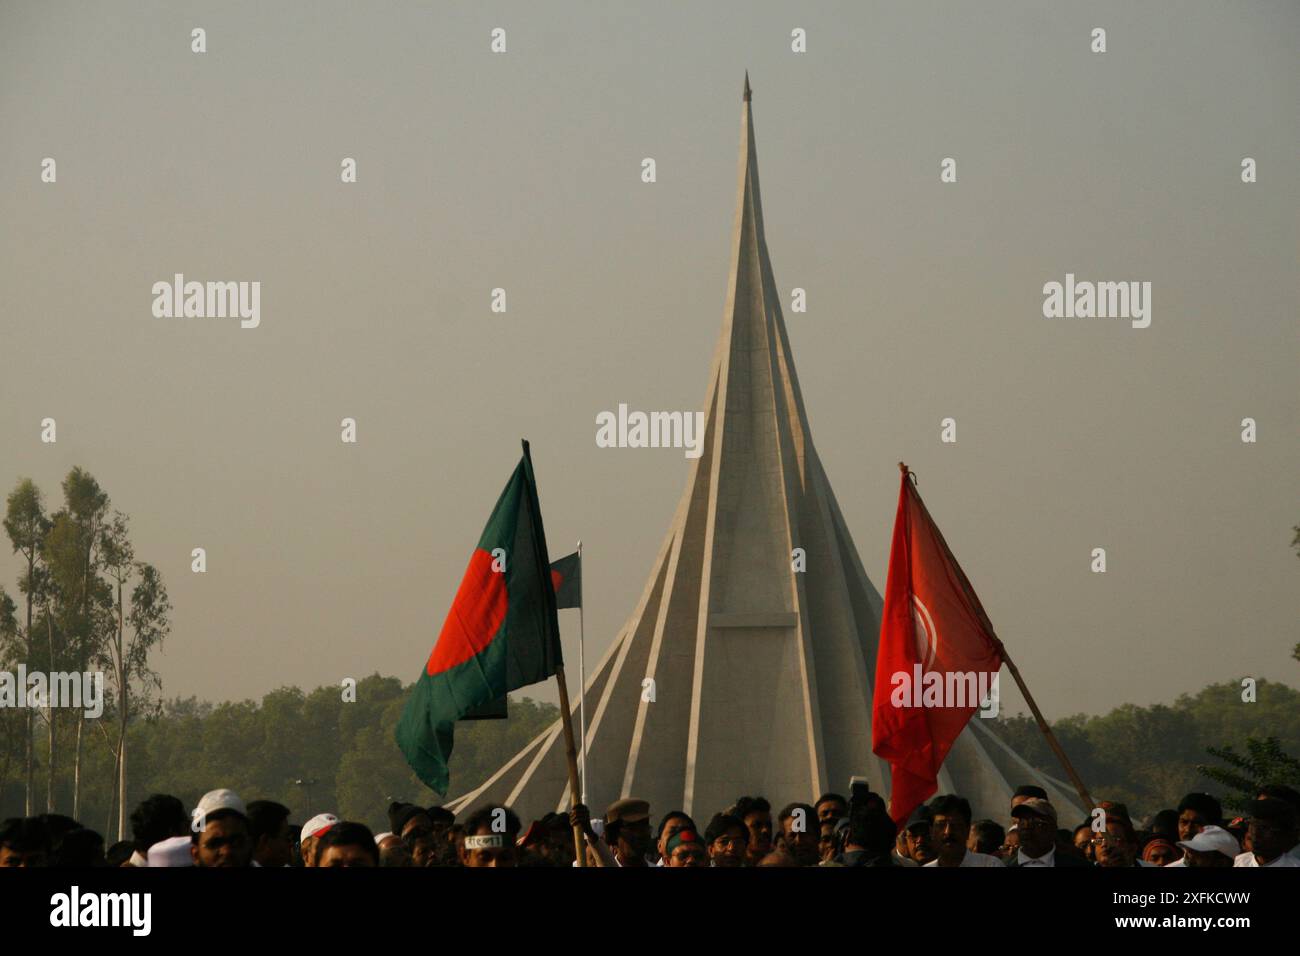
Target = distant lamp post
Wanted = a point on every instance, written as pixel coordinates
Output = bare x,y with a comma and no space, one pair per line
306,784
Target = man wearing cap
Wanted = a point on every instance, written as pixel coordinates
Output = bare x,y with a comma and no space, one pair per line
1212,846
1272,834
915,842
627,831
950,829
219,835
1025,792
312,831
686,849
1036,832
673,821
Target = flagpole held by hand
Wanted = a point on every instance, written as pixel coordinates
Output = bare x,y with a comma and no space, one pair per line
571,753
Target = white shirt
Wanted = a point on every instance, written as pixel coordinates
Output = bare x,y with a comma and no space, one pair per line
1047,859
1181,861
974,859
1248,859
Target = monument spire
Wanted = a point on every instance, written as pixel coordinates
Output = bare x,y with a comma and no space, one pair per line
746,666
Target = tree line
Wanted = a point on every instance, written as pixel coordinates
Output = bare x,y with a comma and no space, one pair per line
86,604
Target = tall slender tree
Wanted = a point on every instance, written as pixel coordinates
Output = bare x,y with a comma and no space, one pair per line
26,525
129,657
72,549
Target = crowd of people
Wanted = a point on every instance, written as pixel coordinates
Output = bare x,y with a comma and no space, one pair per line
224,831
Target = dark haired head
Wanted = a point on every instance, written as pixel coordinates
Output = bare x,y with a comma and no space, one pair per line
951,805
1204,806
486,816
721,823
872,830
1279,791
119,852
265,817
441,816
747,805
669,817
348,833
1030,790
989,836
157,818
79,848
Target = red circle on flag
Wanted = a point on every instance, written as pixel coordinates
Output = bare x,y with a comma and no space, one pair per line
475,616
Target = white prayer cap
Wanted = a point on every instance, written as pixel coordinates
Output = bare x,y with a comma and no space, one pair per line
317,825
381,837
1213,838
215,800
173,851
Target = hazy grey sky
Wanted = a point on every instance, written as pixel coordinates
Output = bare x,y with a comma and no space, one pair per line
522,170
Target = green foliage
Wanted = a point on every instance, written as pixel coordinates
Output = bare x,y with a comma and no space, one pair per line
1263,763
1149,757
345,750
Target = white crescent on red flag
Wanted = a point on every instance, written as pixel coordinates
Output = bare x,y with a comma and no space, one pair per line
934,634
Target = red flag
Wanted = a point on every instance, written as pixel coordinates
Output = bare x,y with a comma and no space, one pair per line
937,656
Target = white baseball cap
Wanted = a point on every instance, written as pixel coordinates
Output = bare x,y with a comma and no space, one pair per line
215,800
317,825
1213,838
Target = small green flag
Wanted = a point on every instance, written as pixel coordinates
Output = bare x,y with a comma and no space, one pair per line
566,578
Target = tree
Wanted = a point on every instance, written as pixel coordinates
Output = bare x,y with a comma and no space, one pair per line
1263,763
129,658
26,525
72,552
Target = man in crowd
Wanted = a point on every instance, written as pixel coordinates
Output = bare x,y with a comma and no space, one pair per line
1026,792
1117,845
950,829
268,826
986,836
686,849
219,836
1272,834
831,807
672,822
799,833
22,843
726,840
347,844
756,814
313,830
826,848
628,833
1036,835
1277,791
868,836
1211,847
156,818
1197,811
489,838
916,842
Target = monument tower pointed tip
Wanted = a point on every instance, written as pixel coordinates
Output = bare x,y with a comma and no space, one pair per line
748,92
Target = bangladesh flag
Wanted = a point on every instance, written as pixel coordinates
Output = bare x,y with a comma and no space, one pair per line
566,578
500,634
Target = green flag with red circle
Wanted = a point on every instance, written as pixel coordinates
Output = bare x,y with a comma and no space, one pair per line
500,634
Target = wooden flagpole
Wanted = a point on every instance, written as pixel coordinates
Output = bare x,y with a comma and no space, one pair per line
571,753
